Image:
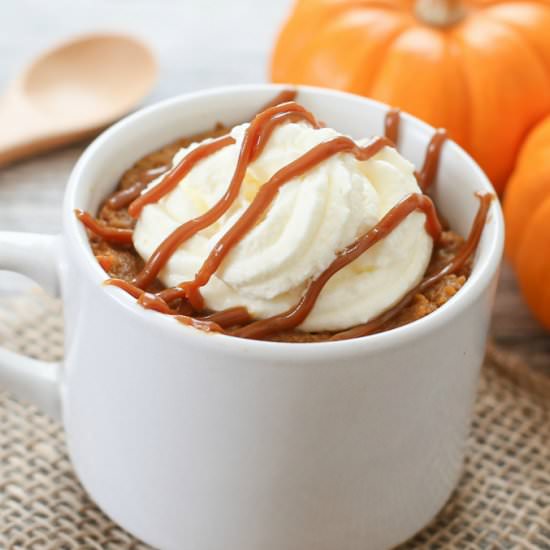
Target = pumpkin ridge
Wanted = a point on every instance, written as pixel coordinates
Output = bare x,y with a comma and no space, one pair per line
522,100
533,146
533,262
537,56
457,53
469,92
379,5
524,195
524,39
295,13
382,59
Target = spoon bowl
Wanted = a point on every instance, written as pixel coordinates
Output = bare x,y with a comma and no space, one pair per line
72,91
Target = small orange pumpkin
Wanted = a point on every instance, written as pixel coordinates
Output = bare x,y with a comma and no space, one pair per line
480,68
527,215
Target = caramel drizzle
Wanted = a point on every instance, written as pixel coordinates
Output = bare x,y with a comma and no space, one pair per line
216,321
110,234
205,326
148,300
427,175
253,143
126,196
391,125
177,173
264,198
452,266
257,135
229,317
283,96
297,314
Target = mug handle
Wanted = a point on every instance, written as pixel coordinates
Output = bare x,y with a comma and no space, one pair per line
37,257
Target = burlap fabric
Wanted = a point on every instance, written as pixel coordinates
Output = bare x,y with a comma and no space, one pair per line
502,501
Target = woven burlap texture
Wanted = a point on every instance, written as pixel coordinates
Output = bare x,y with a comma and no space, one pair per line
502,501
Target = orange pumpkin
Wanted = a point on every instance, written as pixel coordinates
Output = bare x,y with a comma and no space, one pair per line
480,68
527,214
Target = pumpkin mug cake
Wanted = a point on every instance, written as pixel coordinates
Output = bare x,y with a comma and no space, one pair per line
283,229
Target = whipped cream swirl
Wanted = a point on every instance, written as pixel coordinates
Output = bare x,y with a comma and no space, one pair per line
313,217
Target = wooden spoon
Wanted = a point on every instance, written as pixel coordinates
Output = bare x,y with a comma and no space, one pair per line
72,91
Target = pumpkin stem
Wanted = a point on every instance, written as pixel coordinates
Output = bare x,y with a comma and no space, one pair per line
440,13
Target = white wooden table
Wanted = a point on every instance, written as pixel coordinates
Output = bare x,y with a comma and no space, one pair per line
199,44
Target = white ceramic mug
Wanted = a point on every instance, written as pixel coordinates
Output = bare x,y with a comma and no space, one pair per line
208,442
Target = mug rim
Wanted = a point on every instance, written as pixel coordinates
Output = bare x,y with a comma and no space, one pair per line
486,264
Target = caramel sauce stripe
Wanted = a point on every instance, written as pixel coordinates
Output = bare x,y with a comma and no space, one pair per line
126,196
391,125
296,315
452,266
252,145
109,234
267,194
